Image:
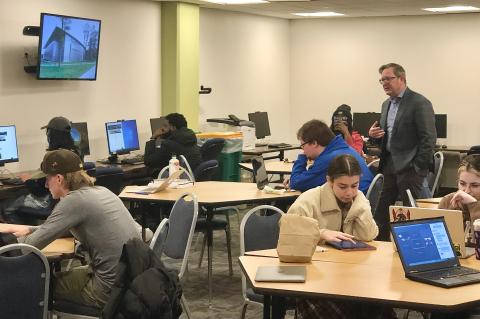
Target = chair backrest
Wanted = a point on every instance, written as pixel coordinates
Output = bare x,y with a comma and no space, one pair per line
259,230
373,166
374,191
90,168
110,177
206,171
184,163
173,237
433,177
411,201
451,162
212,148
474,150
24,282
187,174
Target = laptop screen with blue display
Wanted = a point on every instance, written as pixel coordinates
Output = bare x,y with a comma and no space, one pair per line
424,243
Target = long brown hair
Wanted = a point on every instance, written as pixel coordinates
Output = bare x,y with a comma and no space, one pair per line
343,165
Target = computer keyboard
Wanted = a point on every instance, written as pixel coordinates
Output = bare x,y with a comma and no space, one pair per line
279,145
137,159
448,273
13,181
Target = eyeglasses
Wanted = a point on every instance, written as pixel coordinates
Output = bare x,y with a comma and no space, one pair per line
303,144
386,79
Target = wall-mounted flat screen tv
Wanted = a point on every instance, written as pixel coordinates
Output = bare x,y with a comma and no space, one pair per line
68,48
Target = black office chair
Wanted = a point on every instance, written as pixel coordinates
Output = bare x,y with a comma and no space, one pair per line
212,148
206,171
24,281
110,177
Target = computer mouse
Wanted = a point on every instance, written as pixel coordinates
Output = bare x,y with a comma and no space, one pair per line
444,146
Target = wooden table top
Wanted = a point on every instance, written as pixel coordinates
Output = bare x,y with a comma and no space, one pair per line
59,247
435,200
372,276
272,167
213,193
428,202
259,150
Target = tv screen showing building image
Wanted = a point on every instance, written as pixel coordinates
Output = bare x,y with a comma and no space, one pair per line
68,48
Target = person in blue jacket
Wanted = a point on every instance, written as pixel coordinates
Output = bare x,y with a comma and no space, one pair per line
320,145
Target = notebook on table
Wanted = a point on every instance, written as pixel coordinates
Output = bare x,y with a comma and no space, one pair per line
427,255
453,219
261,176
281,273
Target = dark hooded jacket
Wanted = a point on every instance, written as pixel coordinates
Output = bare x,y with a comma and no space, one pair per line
143,287
182,141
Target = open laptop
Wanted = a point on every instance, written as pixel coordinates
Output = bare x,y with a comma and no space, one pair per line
453,219
261,176
281,273
427,254
157,187
157,123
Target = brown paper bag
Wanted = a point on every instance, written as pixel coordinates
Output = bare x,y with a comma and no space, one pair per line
298,238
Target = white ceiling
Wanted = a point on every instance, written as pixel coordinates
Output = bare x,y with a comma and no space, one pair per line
351,8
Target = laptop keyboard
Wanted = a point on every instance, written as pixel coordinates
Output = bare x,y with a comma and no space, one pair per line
450,273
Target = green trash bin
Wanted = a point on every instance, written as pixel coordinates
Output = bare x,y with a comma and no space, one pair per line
229,159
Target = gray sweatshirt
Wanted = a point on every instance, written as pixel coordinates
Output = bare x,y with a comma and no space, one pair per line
98,219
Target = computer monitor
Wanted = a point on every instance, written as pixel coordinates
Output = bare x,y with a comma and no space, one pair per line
8,144
79,134
122,136
441,125
363,121
262,126
157,123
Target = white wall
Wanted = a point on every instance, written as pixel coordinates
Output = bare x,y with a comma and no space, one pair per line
128,78
335,61
245,60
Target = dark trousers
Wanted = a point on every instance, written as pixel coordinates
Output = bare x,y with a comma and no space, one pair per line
394,188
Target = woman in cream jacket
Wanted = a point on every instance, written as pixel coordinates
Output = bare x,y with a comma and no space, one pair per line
341,210
343,213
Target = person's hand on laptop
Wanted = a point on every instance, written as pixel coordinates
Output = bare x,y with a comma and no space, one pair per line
335,236
460,198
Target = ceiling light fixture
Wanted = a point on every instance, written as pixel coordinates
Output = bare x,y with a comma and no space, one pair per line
319,14
452,9
236,1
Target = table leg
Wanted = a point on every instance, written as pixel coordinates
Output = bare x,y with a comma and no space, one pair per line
210,253
266,306
278,307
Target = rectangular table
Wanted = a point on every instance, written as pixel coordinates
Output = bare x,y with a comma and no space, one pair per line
213,195
273,167
260,150
59,248
367,276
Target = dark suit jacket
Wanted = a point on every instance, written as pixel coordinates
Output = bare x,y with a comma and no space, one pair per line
413,135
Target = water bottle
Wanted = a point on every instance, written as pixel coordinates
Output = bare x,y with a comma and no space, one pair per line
476,236
173,165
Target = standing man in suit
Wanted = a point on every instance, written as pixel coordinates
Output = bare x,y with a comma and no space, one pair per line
407,136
